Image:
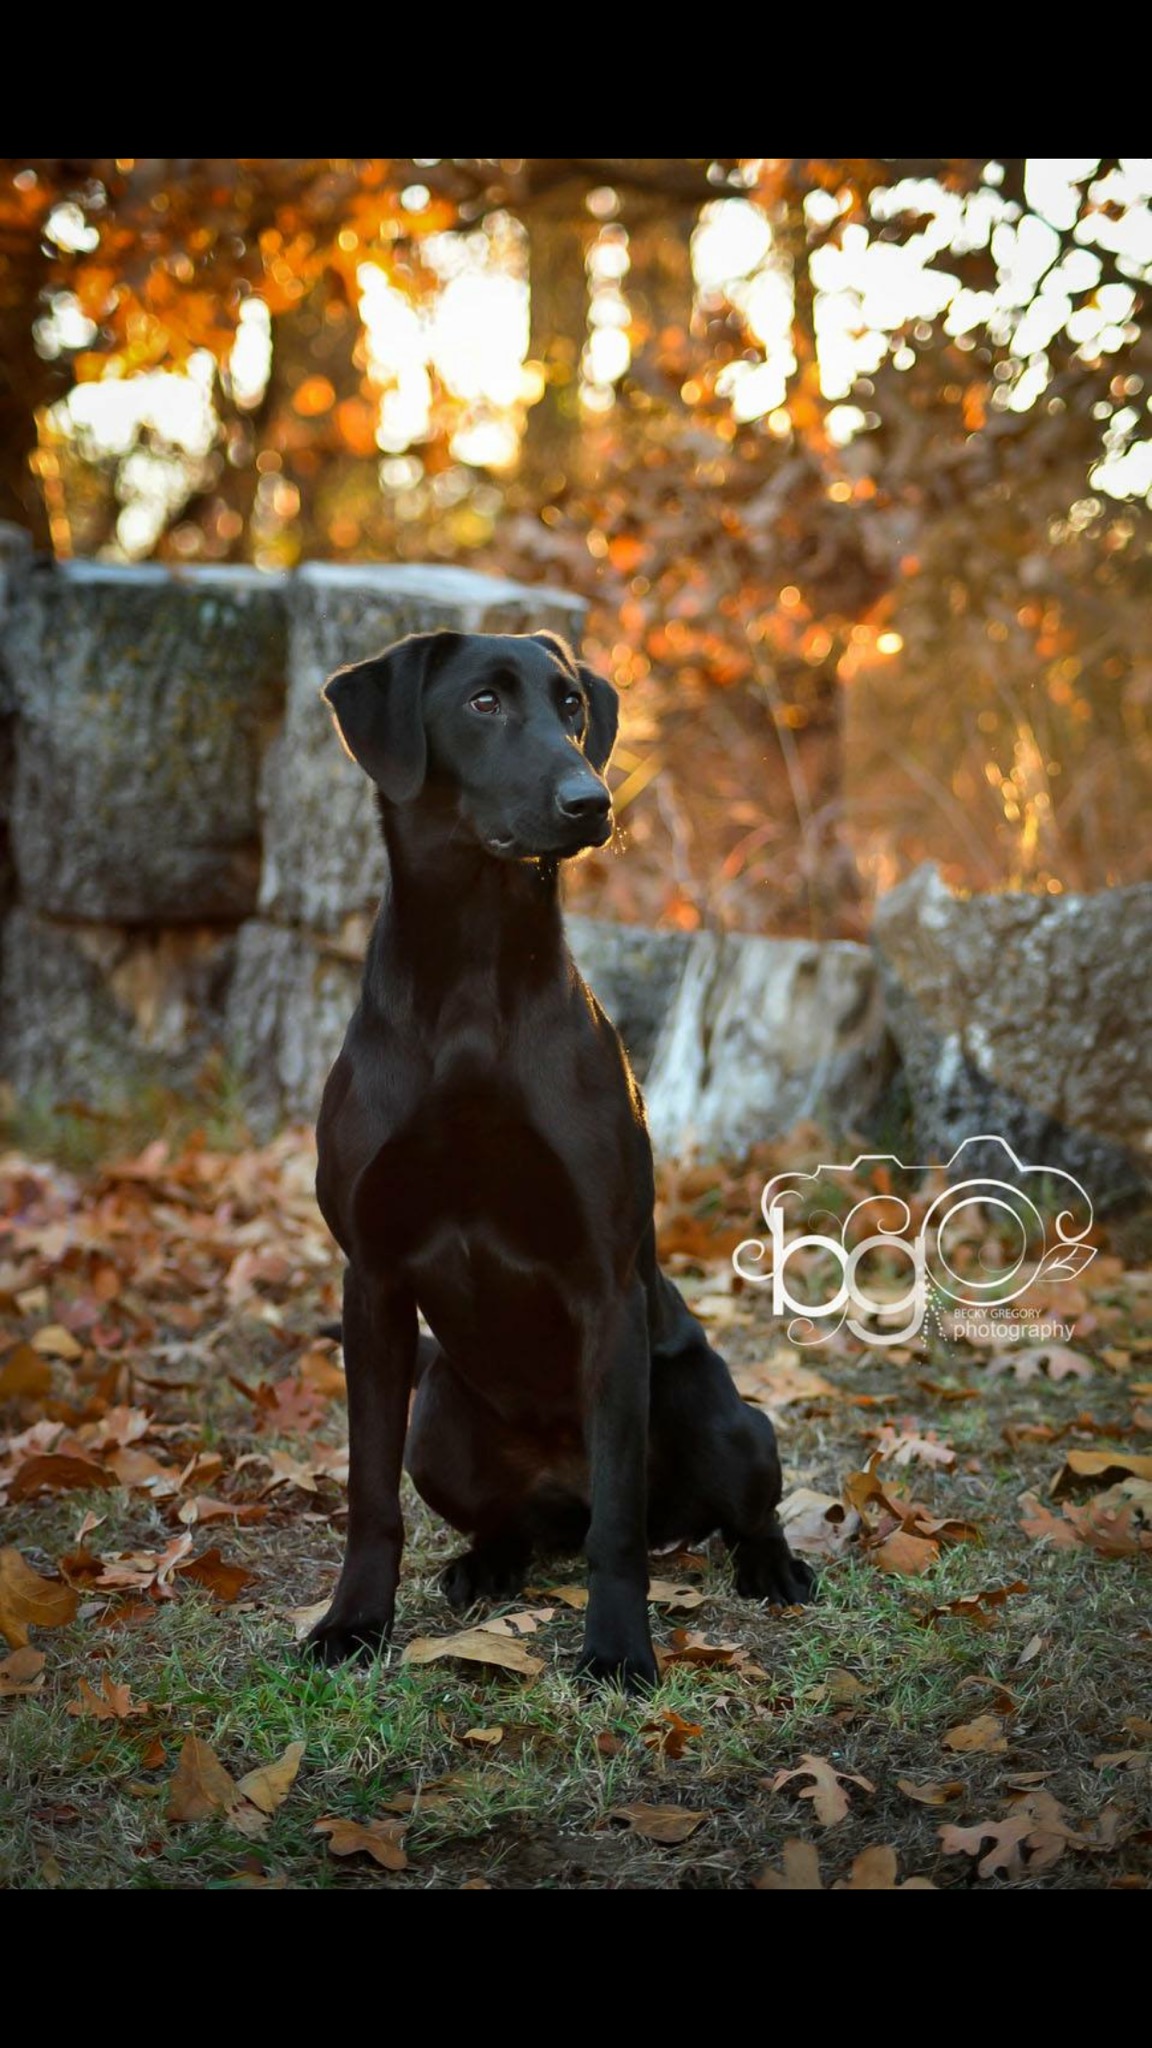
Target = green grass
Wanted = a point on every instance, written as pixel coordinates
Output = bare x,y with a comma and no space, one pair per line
83,1803
82,1138
534,1810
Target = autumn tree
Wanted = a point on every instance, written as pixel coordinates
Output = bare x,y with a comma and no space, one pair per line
771,572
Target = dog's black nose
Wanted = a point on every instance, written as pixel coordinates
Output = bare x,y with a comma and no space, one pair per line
579,797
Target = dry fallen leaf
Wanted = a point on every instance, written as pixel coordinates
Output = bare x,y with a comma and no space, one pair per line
829,1799
908,1447
54,1341
1032,1648
484,1738
268,1787
56,1472
691,1646
984,1736
906,1555
202,1508
525,1623
304,1619
1057,1360
1116,1523
840,1688
801,1872
1039,1521
1034,1836
21,1672
145,1571
112,1703
1102,1466
666,1593
383,1840
29,1601
776,1383
665,1824
670,1735
875,1870
817,1524
976,1606
475,1646
940,1794
200,1785
24,1374
224,1581
1005,1837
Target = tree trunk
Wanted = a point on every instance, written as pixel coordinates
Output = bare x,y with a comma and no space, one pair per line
27,382
317,339
557,257
660,287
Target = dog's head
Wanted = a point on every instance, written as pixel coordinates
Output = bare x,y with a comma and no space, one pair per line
511,732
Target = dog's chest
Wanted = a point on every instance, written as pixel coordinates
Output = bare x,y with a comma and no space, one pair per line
488,1221
469,1176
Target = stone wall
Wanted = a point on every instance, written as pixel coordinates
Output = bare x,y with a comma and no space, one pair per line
1027,1018
189,865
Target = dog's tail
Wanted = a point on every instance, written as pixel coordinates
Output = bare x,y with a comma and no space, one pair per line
426,1347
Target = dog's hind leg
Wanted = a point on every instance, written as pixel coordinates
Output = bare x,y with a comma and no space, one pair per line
715,1466
493,1569
458,1460
761,1559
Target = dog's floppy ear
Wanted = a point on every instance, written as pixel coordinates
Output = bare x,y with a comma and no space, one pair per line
603,717
379,713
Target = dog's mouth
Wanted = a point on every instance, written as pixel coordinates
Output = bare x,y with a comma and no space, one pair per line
509,847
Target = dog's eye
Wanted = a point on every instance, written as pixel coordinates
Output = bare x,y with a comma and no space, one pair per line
486,701
573,703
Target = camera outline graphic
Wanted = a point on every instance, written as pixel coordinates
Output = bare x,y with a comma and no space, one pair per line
763,1261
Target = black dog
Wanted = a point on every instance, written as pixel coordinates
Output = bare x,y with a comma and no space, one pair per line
484,1158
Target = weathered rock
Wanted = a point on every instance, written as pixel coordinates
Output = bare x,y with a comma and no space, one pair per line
143,700
323,860
761,1033
634,973
15,561
1027,1018
95,1012
289,1002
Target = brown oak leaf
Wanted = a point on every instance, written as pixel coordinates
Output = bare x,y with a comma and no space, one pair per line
829,1799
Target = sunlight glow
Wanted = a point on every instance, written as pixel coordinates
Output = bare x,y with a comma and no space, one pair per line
250,363
453,360
471,337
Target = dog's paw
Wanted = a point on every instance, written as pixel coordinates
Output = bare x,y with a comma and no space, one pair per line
335,1641
491,1575
769,1571
634,1672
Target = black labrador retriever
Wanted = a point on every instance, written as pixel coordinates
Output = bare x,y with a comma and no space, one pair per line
483,1158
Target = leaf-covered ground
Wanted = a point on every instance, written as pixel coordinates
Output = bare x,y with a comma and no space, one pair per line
970,1701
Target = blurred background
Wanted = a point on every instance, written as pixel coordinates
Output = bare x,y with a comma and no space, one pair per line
850,456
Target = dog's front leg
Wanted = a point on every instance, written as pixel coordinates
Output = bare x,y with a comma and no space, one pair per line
617,1639
379,1363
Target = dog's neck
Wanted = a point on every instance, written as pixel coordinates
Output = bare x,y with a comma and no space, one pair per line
453,914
